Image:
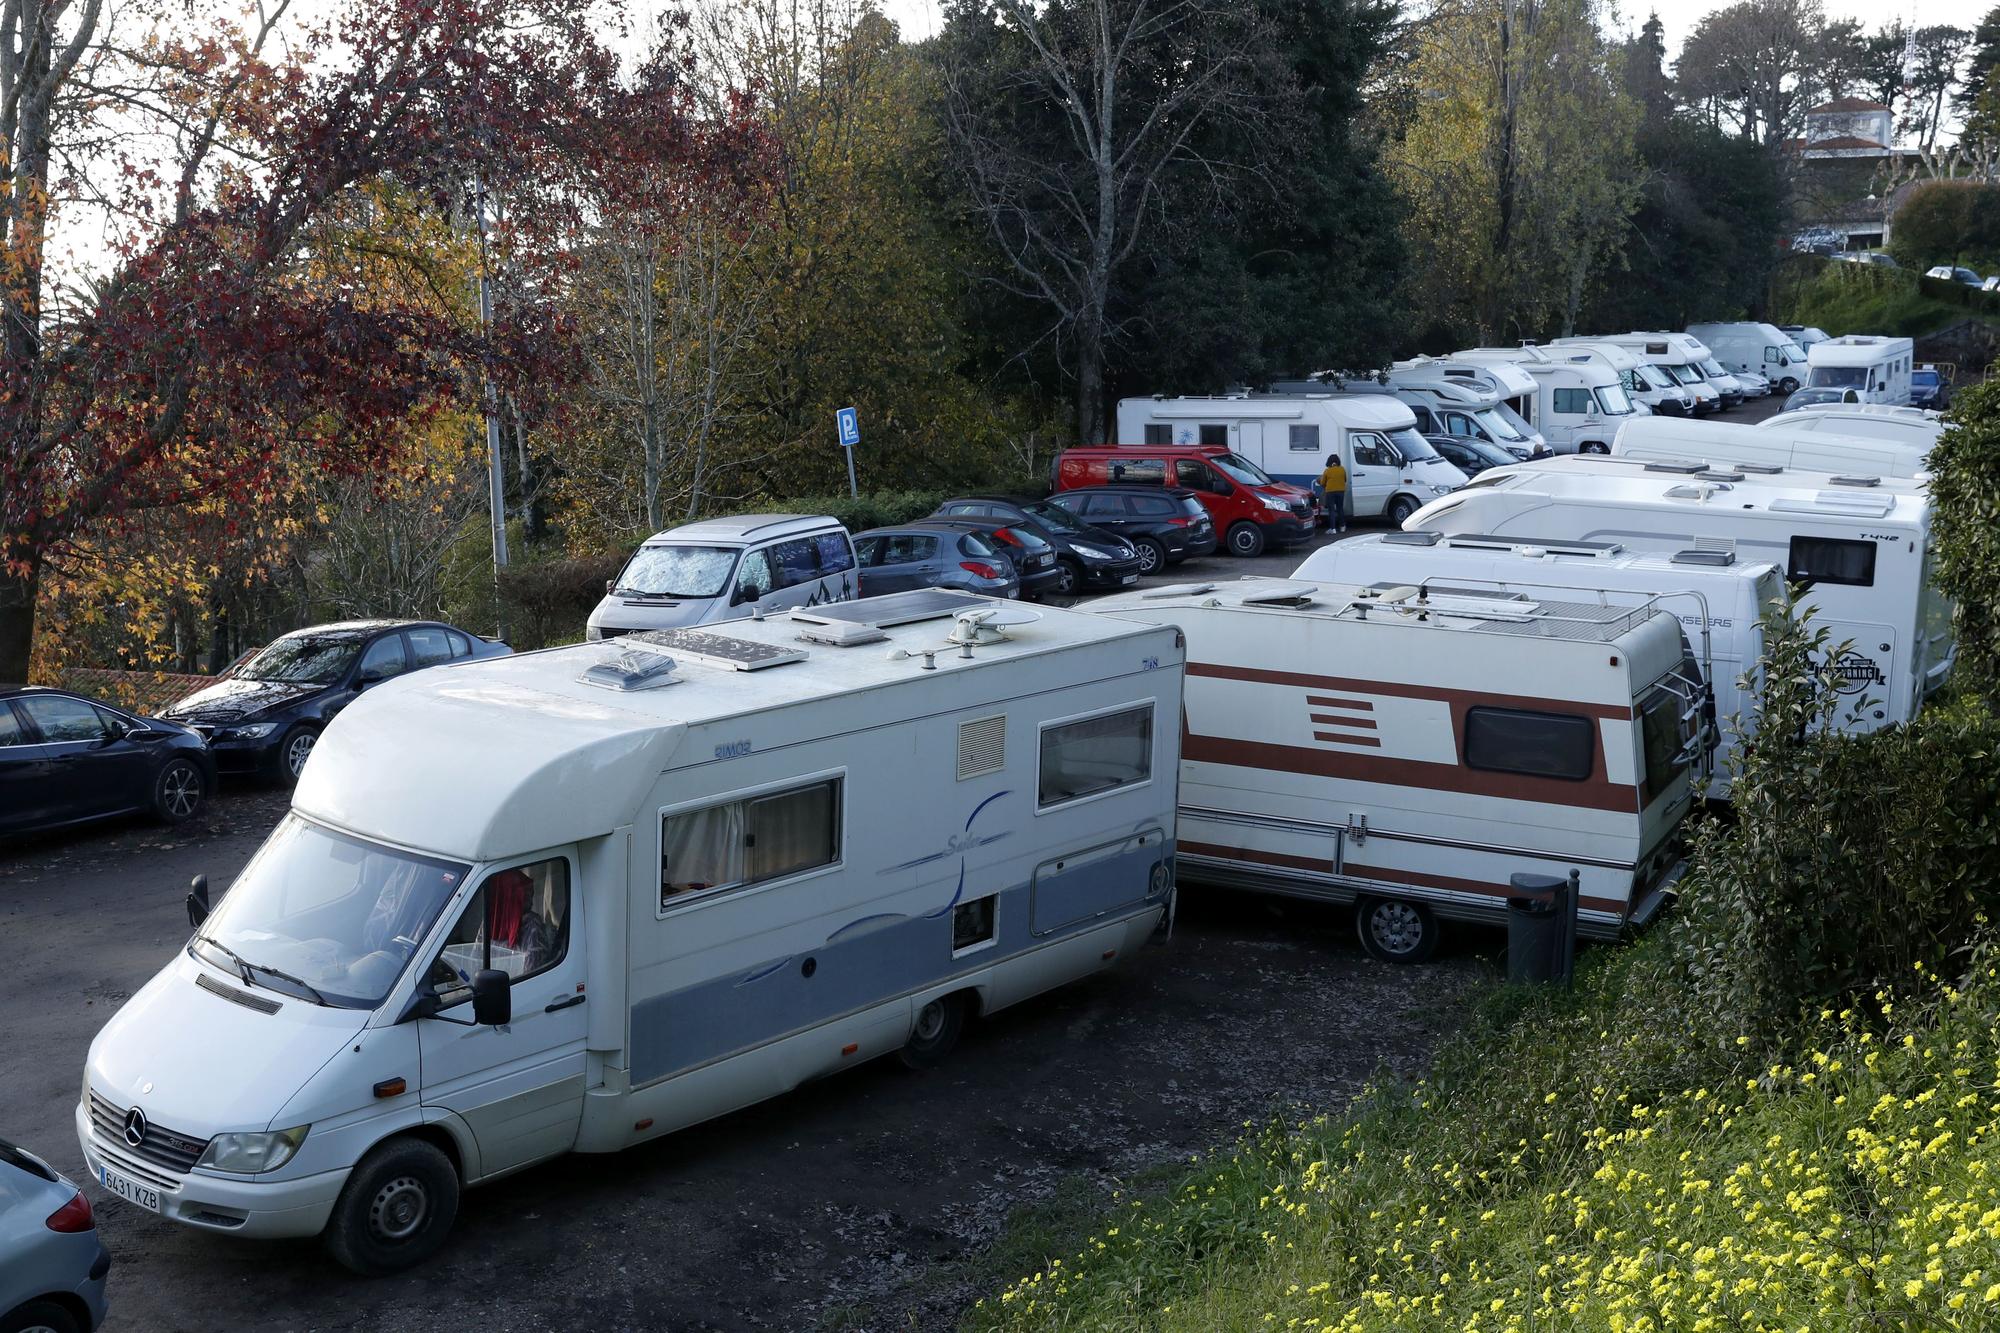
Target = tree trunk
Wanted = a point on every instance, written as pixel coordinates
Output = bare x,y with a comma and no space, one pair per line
17,621
1089,385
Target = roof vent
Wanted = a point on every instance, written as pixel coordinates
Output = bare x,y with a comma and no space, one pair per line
1685,466
982,746
629,669
1834,502
1853,479
1697,491
1178,590
1699,557
717,650
1412,538
1714,474
1289,595
1715,544
1761,469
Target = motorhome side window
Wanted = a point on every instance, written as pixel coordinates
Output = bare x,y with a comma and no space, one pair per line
517,921
1831,560
1660,729
1159,433
749,840
1371,450
1096,754
1305,438
1540,745
1215,433
1572,400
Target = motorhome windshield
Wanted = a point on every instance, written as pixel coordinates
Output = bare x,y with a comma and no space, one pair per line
1614,400
326,917
1496,425
1242,469
1711,369
1685,375
1838,377
1650,377
1413,446
1516,420
678,571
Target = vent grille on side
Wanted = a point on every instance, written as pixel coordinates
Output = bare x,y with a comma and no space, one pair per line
982,746
234,996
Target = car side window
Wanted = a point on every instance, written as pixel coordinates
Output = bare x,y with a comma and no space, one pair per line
1104,506
1426,423
1147,506
975,545
517,922
795,561
1372,450
908,547
384,658
834,557
1139,471
60,720
869,550
754,574
11,730
1572,400
460,645
429,645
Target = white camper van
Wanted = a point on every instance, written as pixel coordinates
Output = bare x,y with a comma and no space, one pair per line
1718,599
1650,387
575,899
1875,421
1729,445
1391,469
1862,551
1575,398
727,569
1667,353
1409,750
1761,348
1876,369
1465,400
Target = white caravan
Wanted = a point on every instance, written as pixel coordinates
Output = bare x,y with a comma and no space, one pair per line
1665,353
1761,348
1863,552
1718,599
1649,386
1391,469
1465,400
1575,396
726,569
1878,421
576,899
1408,750
1876,369
1729,445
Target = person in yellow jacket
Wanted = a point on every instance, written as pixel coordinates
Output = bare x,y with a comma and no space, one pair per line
1333,484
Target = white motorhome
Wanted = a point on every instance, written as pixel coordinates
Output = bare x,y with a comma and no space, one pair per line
1669,354
1862,551
1408,751
576,899
728,569
1391,469
1877,421
1465,400
1718,599
1729,445
1877,369
1760,348
1650,387
1575,397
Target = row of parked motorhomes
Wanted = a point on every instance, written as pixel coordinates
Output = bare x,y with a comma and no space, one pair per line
574,899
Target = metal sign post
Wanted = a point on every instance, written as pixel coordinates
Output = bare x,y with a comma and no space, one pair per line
848,420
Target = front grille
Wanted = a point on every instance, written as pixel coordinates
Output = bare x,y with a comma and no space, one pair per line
160,1146
125,1164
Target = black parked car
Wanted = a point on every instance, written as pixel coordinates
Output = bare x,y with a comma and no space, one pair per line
1033,558
1928,388
65,759
1472,457
1165,524
1086,557
265,716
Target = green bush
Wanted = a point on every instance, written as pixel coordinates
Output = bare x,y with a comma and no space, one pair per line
880,509
1965,499
548,601
1861,298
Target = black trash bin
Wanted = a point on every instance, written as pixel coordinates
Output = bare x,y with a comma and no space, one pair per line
1537,928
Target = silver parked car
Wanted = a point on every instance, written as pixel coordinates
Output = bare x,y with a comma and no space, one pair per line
52,1262
933,555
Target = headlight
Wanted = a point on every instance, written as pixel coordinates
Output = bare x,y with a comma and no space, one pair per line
256,731
592,634
1094,552
247,1154
1443,490
1273,502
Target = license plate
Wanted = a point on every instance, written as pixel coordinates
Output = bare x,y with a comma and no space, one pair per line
1130,578
129,1190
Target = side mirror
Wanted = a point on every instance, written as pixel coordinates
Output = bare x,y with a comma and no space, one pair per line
610,586
197,901
369,677
492,998
745,592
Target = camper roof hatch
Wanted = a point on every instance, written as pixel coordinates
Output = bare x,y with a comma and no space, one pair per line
1686,466
628,669
1480,541
717,649
844,619
1858,506
1701,557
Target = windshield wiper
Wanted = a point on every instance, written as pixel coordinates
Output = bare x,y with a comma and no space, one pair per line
645,596
242,964
302,984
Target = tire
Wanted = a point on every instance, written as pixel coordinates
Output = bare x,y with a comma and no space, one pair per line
1152,554
1400,509
1247,540
1396,930
1069,579
395,1210
292,753
1788,386
178,791
39,1317
1593,447
934,1032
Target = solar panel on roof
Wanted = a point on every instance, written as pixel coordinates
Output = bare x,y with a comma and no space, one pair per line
719,649
896,608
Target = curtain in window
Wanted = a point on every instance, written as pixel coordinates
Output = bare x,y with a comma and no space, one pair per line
701,849
791,831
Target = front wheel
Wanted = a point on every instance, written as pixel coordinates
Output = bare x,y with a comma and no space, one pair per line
1152,555
178,792
395,1210
1396,931
1246,539
38,1317
1593,447
293,751
1068,578
934,1033
1788,386
1399,510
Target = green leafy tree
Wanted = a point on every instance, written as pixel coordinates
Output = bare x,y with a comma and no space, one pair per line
1939,50
1965,494
1753,64
1974,106
1947,222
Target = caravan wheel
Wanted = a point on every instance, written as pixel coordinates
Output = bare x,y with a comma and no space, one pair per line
934,1033
1395,930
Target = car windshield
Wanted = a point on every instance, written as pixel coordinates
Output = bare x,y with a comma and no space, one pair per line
1684,374
1242,469
325,916
304,659
1651,376
678,571
1412,445
1711,369
1838,377
1496,425
1927,378
1056,517
1613,399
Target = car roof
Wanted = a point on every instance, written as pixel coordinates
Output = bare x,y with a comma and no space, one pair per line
745,528
352,628
921,525
1128,488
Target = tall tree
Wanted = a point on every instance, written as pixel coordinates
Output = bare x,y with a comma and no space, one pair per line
1067,119
1645,71
1975,108
1884,73
1753,63
1939,50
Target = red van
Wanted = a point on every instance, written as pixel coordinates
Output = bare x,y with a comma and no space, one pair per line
1250,510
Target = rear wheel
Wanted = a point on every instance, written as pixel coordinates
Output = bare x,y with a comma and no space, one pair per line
1152,555
1788,386
178,791
1396,931
934,1033
1246,539
1593,447
39,1317
1400,509
1068,578
395,1210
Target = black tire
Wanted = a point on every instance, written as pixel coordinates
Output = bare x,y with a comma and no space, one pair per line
1247,540
1152,554
1593,447
1396,930
39,1316
1788,386
1069,579
395,1210
292,752
934,1033
178,791
1400,509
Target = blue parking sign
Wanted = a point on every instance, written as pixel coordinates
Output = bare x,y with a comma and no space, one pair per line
850,427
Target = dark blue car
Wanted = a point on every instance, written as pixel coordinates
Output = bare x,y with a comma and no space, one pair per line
65,759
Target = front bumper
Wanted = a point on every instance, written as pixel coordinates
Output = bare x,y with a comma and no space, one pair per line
1286,529
232,1205
1037,581
1109,574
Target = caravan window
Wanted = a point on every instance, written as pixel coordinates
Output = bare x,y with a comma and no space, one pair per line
1572,400
1660,729
1159,433
518,922
1830,560
1095,755
1305,438
1215,433
751,840
1540,745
